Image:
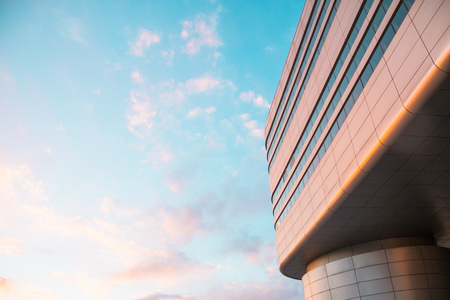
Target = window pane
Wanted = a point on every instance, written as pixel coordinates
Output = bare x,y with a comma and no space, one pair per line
352,38
386,4
359,55
408,3
334,130
341,118
366,75
357,90
361,19
399,17
351,70
345,52
348,107
376,57
378,18
368,38
387,38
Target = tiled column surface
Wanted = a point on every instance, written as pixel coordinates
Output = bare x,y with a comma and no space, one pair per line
394,269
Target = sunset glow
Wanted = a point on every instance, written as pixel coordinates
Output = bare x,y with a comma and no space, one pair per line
132,159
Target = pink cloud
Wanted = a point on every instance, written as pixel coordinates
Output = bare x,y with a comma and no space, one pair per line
161,154
45,150
180,225
47,220
244,117
163,296
20,177
168,267
261,255
5,284
254,249
197,111
257,100
168,56
187,25
145,40
212,143
92,288
111,205
60,127
137,76
176,96
11,246
140,113
204,30
176,185
274,288
206,83
254,130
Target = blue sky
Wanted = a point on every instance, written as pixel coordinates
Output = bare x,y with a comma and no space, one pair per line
132,160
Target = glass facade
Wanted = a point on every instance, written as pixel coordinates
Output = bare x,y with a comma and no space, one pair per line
324,94
293,70
377,54
302,89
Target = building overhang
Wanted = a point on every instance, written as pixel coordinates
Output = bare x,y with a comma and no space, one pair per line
400,188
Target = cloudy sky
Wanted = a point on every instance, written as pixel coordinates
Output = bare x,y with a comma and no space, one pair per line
132,160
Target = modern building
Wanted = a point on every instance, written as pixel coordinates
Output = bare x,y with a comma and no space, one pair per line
358,148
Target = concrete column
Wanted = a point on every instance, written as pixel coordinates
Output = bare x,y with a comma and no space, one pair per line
393,269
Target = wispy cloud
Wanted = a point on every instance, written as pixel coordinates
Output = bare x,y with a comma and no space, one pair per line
202,32
20,176
45,150
113,66
206,83
111,205
168,56
255,250
198,111
175,184
140,113
11,246
168,267
187,27
5,284
178,92
178,179
255,131
60,127
257,100
275,287
145,39
137,76
71,27
160,154
47,220
163,296
180,225
92,288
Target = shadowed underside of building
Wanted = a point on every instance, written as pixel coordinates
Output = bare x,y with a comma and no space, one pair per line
358,149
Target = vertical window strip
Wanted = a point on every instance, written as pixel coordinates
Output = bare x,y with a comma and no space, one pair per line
369,68
299,75
293,70
324,94
300,94
336,98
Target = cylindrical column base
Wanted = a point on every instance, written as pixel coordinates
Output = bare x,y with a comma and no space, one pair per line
393,269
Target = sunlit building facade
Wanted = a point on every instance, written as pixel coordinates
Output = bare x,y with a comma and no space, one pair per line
358,149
